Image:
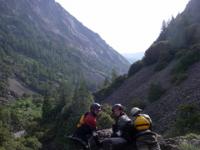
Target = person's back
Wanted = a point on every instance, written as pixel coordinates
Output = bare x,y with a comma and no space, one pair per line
144,138
87,123
122,126
86,126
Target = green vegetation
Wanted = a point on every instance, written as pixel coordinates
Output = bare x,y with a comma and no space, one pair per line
135,67
189,145
44,63
46,121
178,78
188,119
105,121
108,90
37,56
186,59
191,136
67,112
155,92
136,102
177,34
38,64
185,146
160,52
23,115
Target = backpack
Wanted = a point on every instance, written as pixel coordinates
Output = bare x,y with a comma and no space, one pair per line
142,122
82,120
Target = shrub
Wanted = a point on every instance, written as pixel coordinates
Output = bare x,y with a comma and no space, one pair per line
188,119
193,34
191,136
135,67
105,120
160,65
185,146
165,57
156,51
186,60
180,53
155,92
178,78
105,92
32,143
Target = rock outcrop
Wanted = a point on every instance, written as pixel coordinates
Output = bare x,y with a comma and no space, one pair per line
175,143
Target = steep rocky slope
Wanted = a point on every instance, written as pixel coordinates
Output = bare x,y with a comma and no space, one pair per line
172,64
163,111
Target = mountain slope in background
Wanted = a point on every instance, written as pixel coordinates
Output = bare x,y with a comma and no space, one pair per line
41,44
166,80
133,57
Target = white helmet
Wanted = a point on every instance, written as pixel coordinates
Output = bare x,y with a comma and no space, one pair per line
135,111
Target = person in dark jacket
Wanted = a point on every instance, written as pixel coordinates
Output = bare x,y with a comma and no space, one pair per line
121,130
87,124
144,137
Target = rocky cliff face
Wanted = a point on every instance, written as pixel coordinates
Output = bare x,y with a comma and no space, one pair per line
163,111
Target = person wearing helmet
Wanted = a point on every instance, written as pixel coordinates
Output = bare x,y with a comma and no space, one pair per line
143,136
87,124
120,137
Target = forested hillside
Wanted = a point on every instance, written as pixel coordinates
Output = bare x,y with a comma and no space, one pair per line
49,63
41,44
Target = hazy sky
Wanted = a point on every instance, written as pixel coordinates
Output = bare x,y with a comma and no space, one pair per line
128,26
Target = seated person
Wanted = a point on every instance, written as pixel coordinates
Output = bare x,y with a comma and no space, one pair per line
121,130
143,136
87,123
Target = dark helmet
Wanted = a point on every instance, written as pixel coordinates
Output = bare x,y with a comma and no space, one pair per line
95,106
118,106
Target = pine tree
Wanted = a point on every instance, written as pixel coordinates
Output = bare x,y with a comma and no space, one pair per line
82,100
164,26
47,107
114,75
106,82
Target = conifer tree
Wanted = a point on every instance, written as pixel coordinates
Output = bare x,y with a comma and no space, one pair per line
114,75
47,108
82,100
106,82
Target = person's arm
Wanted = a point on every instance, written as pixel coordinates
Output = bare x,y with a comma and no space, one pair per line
128,131
114,130
150,121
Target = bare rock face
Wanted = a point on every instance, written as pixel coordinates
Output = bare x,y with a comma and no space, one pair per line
168,144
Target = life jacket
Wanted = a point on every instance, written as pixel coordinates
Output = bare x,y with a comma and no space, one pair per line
81,121
87,119
142,122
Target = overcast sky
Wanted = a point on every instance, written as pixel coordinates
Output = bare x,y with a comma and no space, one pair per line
128,26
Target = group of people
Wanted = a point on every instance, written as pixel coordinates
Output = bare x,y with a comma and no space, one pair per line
135,132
